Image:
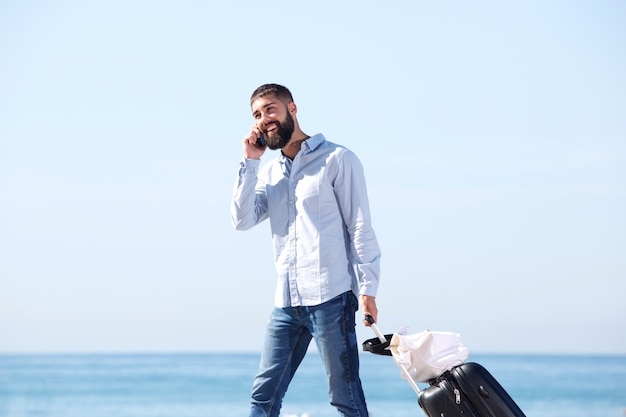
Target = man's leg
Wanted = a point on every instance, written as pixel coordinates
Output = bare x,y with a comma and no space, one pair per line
335,336
286,343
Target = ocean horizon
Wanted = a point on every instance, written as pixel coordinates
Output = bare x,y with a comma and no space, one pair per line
218,384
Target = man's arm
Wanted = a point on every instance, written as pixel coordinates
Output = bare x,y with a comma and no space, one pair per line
351,192
245,211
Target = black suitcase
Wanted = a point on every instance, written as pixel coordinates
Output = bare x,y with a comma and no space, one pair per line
467,390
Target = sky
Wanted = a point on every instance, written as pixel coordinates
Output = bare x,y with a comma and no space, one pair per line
493,137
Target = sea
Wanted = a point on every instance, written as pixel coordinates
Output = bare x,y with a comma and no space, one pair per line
218,385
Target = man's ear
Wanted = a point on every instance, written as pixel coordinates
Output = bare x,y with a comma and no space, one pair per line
292,108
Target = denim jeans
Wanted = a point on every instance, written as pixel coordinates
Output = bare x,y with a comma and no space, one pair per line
289,333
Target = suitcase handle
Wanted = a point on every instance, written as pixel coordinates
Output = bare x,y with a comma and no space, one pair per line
404,371
374,327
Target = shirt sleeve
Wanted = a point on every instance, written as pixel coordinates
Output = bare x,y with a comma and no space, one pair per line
246,208
351,191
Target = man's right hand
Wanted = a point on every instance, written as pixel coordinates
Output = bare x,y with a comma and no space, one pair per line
252,149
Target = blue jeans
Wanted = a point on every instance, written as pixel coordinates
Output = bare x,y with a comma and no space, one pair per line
289,333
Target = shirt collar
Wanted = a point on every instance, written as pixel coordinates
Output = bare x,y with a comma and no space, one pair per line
308,145
314,142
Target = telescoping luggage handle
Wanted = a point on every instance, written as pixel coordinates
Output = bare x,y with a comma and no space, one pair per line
382,339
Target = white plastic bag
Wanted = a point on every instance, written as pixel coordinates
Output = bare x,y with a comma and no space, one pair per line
428,354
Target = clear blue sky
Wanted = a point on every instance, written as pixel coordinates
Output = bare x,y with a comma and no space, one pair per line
493,136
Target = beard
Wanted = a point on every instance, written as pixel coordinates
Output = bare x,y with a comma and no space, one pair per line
282,135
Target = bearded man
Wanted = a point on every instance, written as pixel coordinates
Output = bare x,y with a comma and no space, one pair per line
325,251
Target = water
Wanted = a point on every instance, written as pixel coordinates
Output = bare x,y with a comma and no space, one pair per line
209,385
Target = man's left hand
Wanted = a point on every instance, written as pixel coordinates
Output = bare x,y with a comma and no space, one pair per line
368,306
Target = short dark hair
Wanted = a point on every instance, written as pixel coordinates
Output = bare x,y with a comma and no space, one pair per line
278,90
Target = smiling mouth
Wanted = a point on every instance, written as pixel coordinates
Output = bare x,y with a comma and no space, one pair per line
271,128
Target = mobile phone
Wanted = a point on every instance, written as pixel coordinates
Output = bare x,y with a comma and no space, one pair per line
261,141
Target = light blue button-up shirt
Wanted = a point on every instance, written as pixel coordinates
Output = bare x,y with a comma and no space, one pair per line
319,214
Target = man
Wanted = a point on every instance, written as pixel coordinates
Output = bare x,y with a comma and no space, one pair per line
325,250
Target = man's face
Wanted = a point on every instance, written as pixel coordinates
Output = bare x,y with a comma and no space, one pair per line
274,120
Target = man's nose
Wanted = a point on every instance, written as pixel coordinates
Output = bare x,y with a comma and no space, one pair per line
263,120
264,117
